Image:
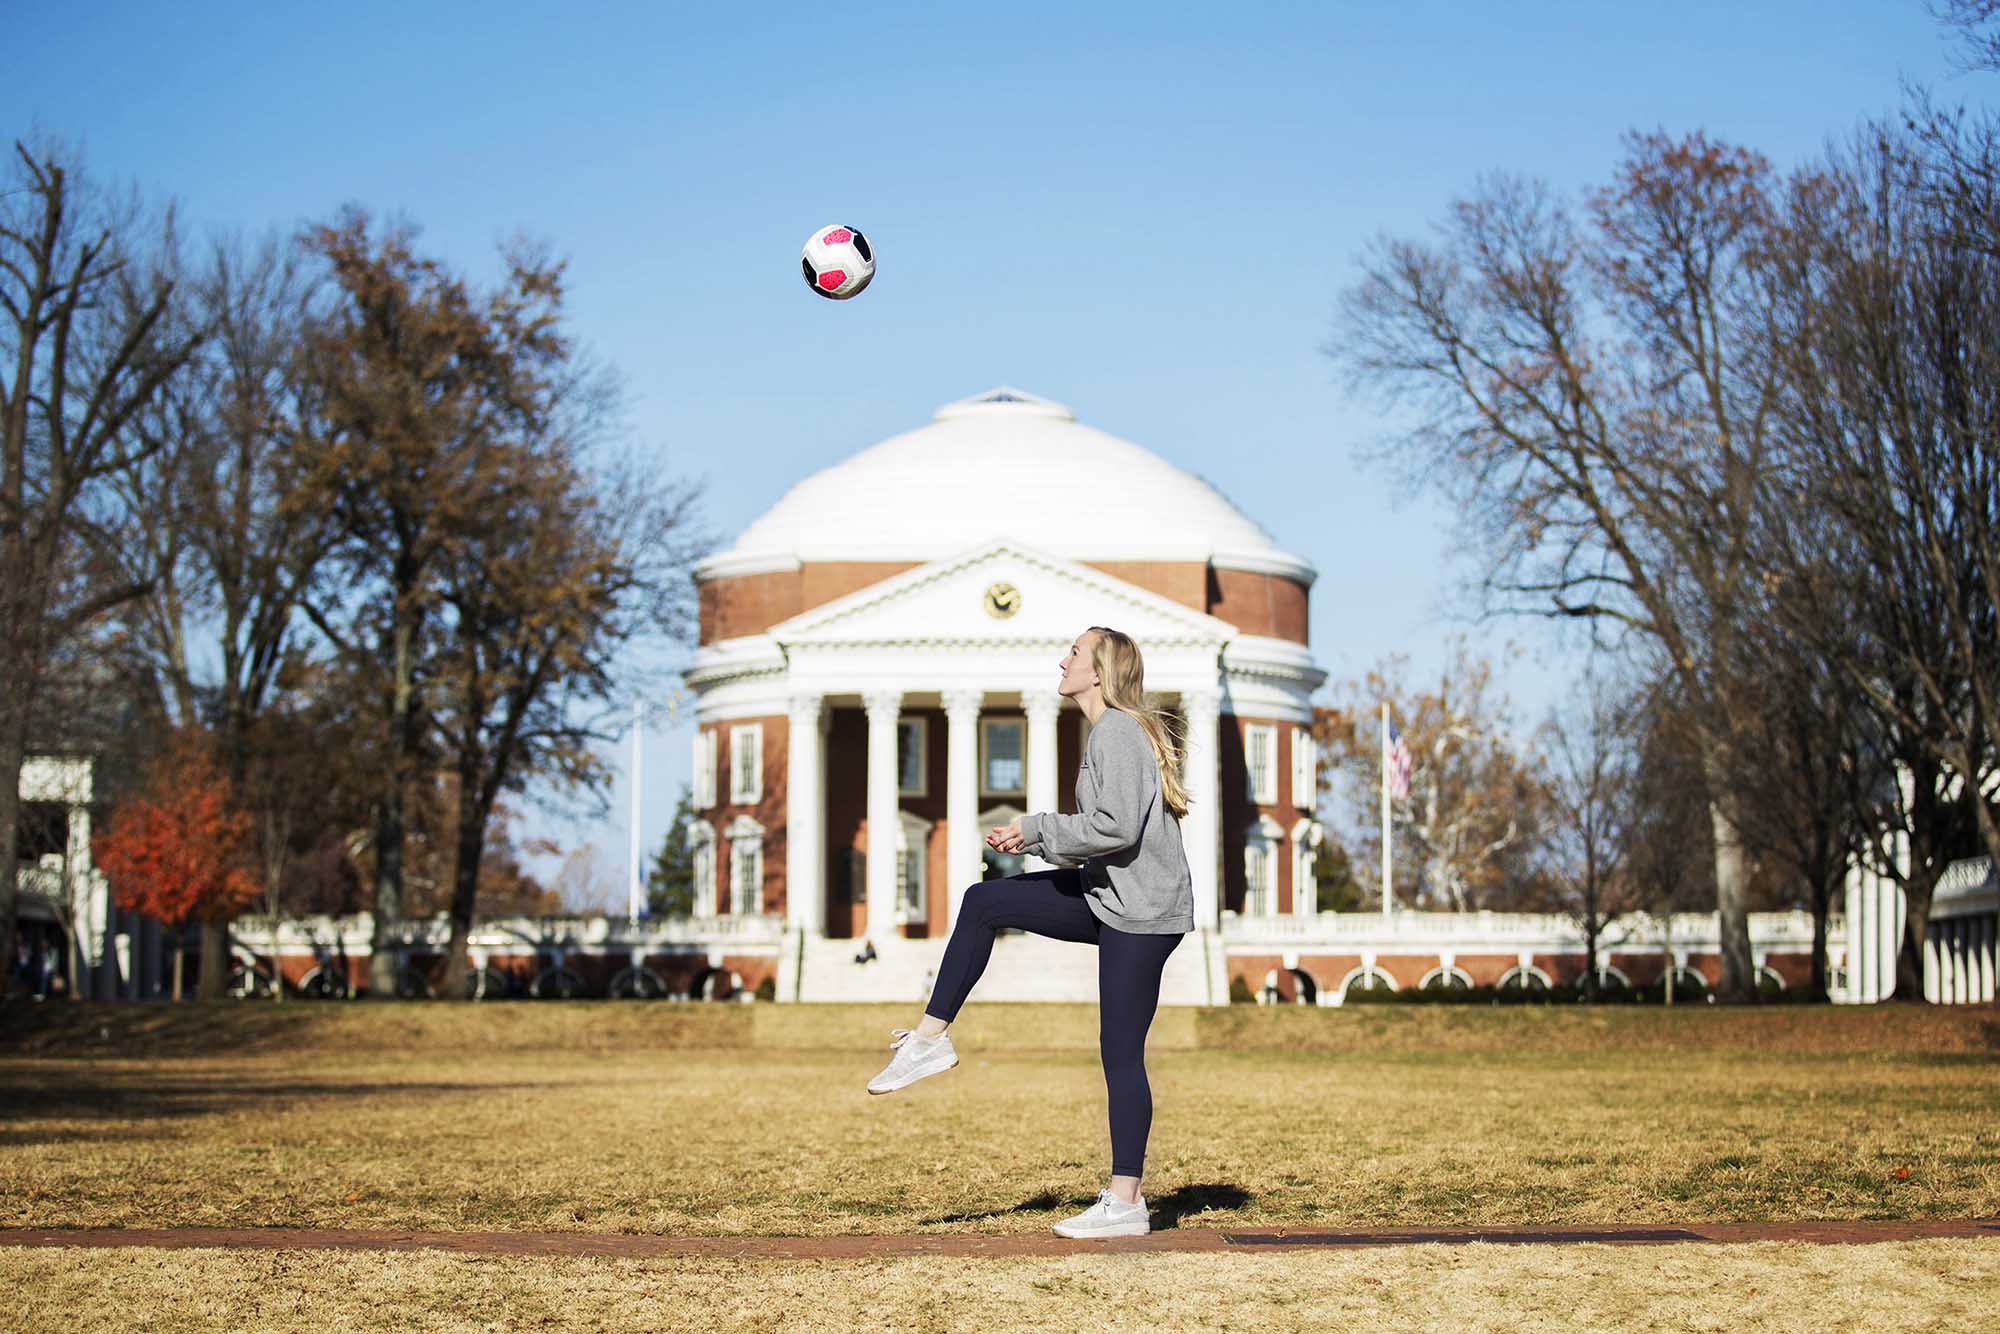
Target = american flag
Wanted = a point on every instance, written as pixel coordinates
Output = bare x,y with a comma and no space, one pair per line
1399,763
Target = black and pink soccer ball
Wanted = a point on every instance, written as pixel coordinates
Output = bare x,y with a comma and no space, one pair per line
838,262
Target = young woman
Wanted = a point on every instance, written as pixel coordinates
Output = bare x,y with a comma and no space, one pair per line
1122,884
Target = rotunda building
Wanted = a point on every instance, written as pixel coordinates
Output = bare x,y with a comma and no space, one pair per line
875,685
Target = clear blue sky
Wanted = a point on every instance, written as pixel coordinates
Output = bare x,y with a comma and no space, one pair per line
1144,215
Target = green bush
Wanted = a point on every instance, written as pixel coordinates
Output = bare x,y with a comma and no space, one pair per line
767,990
1239,991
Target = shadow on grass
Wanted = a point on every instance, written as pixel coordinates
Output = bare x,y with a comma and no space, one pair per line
1167,1210
93,1096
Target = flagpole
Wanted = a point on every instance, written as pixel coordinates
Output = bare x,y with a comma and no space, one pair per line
1388,896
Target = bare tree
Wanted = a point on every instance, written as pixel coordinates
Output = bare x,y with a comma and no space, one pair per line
1890,308
1464,830
1976,24
537,607
1591,761
89,335
1666,864
1598,397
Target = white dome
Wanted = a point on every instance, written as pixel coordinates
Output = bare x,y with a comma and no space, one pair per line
1077,493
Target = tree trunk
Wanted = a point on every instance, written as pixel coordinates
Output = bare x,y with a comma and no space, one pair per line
180,958
472,817
388,902
1732,883
214,960
1822,904
389,821
1917,891
13,747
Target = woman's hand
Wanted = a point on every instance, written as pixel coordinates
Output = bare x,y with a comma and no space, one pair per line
1007,837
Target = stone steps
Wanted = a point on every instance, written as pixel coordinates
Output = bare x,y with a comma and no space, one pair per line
1024,967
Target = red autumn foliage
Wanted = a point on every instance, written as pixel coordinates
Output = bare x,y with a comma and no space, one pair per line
178,851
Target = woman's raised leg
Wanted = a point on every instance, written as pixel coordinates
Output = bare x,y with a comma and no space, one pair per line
1048,903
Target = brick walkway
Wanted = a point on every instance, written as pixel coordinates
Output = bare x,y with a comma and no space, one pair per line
623,1246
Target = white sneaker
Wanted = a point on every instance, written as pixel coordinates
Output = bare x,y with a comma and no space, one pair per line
1109,1217
915,1057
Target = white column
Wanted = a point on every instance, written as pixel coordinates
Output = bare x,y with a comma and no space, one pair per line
961,800
1043,707
89,893
1201,832
805,818
884,708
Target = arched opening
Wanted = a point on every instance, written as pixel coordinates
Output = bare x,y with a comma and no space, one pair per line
1305,991
1606,983
1690,984
1522,982
1367,983
712,984
1446,978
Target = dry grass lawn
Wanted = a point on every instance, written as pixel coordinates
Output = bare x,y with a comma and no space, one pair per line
1899,1286
720,1120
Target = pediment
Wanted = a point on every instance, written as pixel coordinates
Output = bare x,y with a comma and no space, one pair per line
999,593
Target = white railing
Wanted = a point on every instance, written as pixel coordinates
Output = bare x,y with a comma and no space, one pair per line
1468,932
352,934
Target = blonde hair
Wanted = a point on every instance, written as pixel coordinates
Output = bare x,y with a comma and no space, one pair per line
1121,676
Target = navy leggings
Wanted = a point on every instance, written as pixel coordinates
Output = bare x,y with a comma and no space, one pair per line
1051,903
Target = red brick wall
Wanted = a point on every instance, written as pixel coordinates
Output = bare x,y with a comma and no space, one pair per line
1485,970
1239,813
1259,604
768,810
1185,582
749,604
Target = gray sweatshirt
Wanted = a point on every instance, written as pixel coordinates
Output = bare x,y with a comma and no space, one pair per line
1135,873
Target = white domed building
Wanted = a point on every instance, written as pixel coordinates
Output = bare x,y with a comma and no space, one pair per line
879,652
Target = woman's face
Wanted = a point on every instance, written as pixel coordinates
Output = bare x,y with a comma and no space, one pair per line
1079,666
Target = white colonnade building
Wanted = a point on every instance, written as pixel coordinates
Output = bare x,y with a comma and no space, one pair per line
875,687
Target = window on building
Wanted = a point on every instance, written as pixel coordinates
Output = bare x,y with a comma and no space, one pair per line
701,846
1306,838
746,866
912,757
1002,749
912,860
1260,868
703,796
1260,753
1305,770
43,832
1259,891
746,764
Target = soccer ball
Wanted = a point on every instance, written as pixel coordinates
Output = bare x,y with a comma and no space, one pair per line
838,262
